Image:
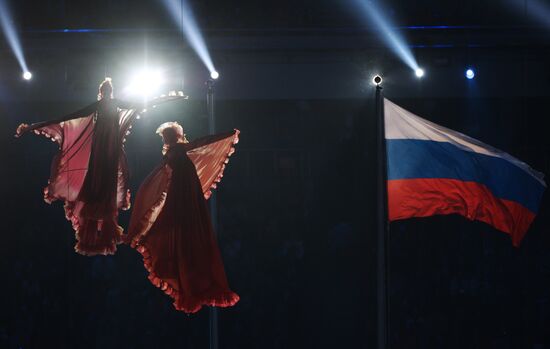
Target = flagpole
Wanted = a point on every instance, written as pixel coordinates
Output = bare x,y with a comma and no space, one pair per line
213,320
382,224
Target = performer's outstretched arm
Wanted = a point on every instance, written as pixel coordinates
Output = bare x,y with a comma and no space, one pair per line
143,104
128,104
77,114
199,142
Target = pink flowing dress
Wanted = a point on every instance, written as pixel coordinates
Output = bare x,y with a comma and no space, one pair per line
90,173
171,226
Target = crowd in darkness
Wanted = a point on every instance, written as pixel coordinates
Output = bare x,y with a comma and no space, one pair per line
296,218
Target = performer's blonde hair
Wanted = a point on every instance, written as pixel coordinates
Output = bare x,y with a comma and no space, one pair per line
171,133
105,89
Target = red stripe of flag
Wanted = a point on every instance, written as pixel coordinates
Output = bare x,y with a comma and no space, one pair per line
425,197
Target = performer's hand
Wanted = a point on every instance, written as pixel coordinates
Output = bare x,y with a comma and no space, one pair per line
21,129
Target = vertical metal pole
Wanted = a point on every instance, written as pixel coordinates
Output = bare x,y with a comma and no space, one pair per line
213,208
382,223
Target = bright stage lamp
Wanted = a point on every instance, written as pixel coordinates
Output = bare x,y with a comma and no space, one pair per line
214,75
470,74
419,72
377,80
145,83
27,75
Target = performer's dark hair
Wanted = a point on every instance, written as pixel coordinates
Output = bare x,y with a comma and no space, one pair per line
170,135
105,89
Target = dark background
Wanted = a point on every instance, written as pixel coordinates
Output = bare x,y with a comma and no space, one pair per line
297,203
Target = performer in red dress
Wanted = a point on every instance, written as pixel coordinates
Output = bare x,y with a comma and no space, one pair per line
90,172
170,224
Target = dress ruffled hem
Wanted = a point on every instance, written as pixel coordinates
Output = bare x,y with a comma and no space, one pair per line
219,176
190,305
105,248
147,221
50,134
90,251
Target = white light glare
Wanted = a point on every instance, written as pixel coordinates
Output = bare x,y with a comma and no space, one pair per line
145,83
419,72
27,75
214,75
470,74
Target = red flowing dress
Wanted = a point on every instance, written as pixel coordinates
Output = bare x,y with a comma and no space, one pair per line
171,227
90,172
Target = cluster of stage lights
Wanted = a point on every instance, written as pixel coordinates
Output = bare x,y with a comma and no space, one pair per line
146,79
141,79
419,72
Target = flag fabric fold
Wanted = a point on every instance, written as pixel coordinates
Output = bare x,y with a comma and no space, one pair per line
433,170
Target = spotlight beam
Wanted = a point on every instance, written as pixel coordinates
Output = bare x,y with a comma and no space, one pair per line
182,15
8,29
396,43
537,9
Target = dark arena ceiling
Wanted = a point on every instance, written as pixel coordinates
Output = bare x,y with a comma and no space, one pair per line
266,14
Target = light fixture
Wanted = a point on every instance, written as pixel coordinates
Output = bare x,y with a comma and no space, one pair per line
146,82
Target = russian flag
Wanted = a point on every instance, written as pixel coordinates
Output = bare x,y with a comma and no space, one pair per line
433,170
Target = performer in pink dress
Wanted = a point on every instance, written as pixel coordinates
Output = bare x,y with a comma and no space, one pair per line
170,224
90,172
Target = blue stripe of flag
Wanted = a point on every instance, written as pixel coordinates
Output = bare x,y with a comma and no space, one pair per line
413,158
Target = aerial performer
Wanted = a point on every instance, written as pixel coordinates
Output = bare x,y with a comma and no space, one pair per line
170,224
90,173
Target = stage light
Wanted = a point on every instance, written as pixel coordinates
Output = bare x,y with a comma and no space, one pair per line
214,75
27,75
419,72
377,80
145,83
470,74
